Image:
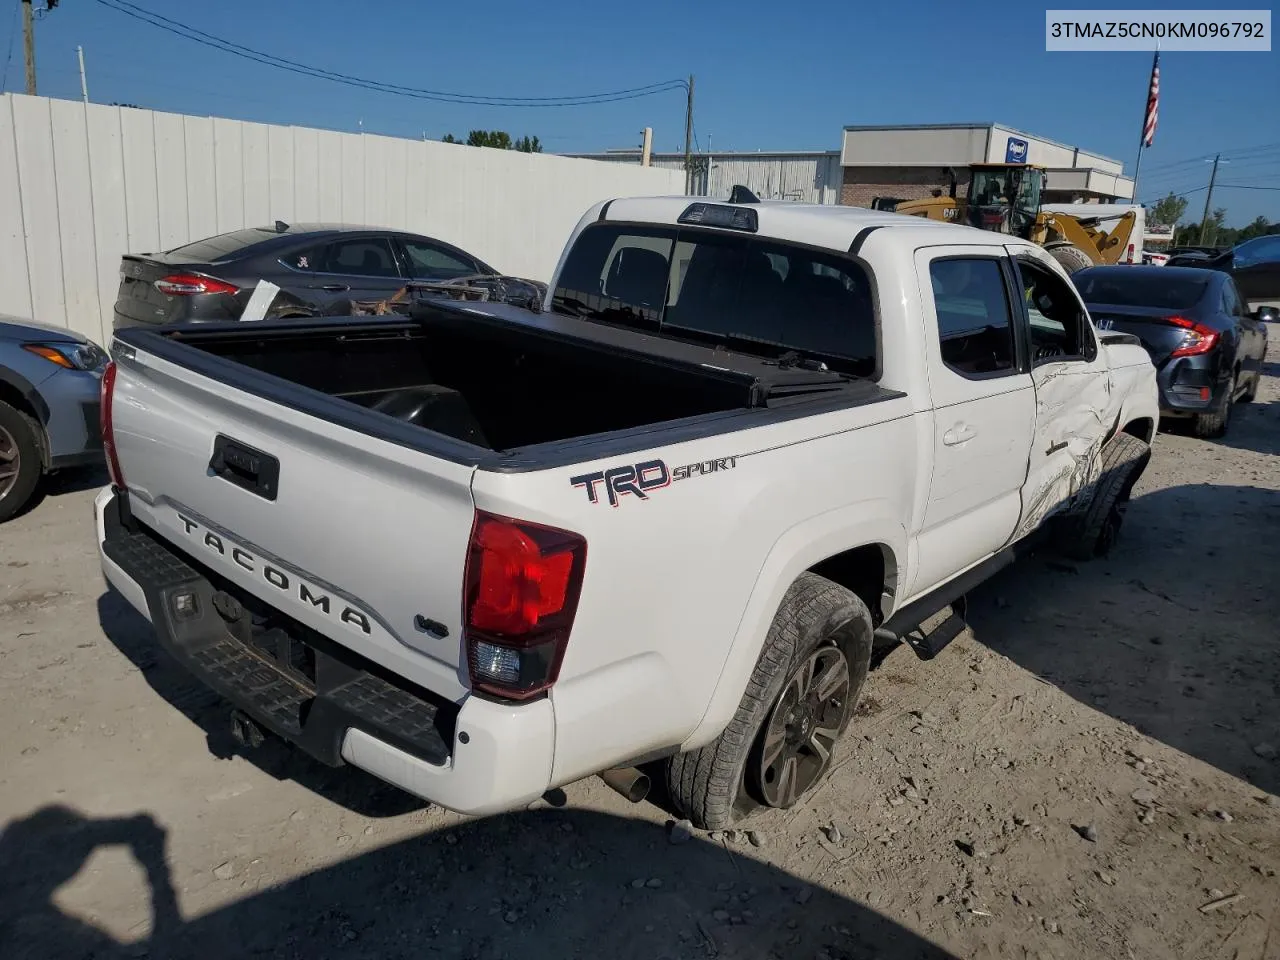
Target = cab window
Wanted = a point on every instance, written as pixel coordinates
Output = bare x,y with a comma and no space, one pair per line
975,320
1057,321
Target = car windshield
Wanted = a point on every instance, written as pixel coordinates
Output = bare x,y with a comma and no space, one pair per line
1123,287
754,295
221,247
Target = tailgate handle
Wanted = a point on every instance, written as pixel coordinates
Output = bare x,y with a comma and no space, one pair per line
247,468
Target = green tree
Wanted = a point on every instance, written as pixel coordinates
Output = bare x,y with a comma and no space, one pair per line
498,140
1169,211
1260,227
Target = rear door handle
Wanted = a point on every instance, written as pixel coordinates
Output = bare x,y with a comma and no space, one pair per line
958,434
1055,447
335,287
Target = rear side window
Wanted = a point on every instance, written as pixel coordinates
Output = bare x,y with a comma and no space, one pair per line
749,293
370,257
1231,300
222,247
975,320
429,260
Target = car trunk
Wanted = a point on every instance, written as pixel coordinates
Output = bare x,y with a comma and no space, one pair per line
139,302
1151,325
499,386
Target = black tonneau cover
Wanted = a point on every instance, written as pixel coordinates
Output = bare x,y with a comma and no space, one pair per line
778,392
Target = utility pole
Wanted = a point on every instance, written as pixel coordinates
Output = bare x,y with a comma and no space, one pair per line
84,86
1208,198
688,141
29,45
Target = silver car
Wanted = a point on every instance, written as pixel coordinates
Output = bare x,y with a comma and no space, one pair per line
49,386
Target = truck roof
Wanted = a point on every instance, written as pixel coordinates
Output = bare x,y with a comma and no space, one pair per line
821,225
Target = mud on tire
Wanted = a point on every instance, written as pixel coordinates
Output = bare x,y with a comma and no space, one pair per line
718,784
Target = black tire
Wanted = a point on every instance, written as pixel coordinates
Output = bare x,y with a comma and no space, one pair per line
18,446
1211,426
719,784
1094,532
1070,257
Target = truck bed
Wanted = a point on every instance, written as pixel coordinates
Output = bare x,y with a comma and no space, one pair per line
498,386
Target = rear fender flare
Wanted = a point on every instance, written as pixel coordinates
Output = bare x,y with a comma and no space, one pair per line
796,550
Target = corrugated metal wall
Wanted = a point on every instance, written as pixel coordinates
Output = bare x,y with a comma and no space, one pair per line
80,185
803,177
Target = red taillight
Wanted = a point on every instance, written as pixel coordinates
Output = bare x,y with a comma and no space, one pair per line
190,284
522,586
1198,338
106,401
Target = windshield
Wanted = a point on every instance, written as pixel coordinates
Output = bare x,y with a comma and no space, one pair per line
1123,287
757,296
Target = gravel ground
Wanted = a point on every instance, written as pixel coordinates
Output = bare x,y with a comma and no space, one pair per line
1091,771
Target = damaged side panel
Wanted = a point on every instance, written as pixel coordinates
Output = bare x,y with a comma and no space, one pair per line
1075,409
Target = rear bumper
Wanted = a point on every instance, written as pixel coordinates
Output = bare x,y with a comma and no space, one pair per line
477,758
1190,385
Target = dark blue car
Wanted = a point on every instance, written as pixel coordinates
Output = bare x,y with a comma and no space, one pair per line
1207,347
49,387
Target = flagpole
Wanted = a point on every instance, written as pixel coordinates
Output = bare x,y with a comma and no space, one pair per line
1142,134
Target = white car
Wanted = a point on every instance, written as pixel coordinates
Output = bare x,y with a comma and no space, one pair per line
480,551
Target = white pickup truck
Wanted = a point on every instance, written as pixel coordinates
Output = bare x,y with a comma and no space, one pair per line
480,551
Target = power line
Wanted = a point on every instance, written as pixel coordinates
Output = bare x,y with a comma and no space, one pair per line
272,60
1247,186
1234,153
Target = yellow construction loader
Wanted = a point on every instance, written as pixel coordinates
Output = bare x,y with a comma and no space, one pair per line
1005,197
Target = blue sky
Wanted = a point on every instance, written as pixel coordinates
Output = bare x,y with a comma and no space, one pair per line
769,76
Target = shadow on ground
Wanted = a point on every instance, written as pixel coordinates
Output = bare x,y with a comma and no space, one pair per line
62,482
1174,633
546,885
346,786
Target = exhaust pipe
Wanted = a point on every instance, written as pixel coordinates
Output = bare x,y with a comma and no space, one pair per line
245,730
628,782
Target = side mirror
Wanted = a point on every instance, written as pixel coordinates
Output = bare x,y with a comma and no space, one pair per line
1267,315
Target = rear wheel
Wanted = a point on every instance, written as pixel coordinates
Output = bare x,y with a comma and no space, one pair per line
1213,425
798,702
20,466
1070,257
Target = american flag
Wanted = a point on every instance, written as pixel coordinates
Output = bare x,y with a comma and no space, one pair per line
1153,104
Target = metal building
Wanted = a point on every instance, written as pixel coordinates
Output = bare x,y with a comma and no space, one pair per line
802,176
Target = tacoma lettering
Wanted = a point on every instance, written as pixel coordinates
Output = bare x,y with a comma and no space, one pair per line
292,586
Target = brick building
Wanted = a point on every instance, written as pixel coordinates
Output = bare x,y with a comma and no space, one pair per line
905,162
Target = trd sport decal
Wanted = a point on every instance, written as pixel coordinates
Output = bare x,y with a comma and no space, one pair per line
641,479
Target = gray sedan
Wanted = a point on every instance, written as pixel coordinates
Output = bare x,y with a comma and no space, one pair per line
49,385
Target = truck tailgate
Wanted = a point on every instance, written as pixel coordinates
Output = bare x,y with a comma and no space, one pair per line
360,539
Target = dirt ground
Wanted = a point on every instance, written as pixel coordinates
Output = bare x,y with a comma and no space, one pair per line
1092,771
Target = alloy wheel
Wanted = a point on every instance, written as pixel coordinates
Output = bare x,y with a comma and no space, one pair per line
10,462
803,726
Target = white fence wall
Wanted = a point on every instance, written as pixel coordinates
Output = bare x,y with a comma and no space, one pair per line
80,185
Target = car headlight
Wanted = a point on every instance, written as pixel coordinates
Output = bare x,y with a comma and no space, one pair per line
70,356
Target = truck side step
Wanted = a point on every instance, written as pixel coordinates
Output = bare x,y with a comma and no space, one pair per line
929,639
